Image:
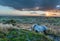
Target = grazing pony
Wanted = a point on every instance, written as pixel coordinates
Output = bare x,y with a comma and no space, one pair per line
38,28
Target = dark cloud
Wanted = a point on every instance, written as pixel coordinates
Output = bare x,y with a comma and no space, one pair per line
19,4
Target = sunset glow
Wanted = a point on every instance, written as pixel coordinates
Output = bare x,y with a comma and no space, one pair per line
52,13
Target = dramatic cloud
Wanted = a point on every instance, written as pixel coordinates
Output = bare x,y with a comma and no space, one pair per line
19,4
13,7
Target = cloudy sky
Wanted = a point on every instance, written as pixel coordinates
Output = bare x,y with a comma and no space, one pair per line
8,7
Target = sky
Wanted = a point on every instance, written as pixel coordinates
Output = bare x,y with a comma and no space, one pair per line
5,10
11,7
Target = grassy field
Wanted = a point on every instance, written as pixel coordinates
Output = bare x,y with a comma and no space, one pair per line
23,35
27,22
31,20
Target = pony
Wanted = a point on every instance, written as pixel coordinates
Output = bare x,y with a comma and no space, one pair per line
38,28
